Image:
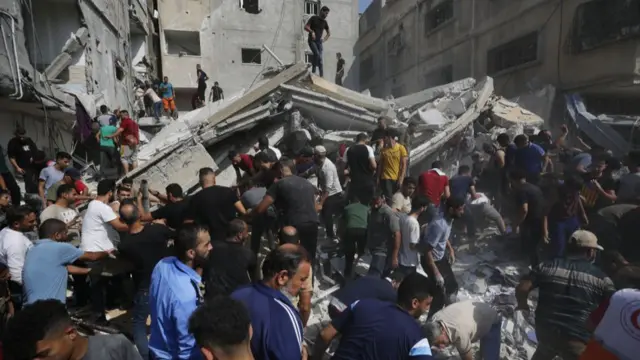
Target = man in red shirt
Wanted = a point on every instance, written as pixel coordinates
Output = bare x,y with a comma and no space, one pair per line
129,141
242,162
434,184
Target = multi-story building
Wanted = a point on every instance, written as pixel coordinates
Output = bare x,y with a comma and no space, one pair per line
61,59
227,36
585,46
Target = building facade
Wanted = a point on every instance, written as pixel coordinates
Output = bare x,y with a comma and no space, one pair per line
226,38
585,46
63,57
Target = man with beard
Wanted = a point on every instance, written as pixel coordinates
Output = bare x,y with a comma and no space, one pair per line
231,265
375,329
383,237
276,322
144,245
434,261
174,294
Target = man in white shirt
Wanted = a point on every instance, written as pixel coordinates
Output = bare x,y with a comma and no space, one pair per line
14,245
263,145
331,200
155,99
463,323
410,231
401,200
100,227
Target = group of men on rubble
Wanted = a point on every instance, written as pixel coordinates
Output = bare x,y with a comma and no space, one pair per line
208,296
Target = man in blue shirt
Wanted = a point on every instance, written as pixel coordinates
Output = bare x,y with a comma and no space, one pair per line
168,95
434,261
48,263
277,326
372,329
530,157
175,292
366,287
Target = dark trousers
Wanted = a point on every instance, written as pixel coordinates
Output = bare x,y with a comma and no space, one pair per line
201,90
388,187
362,190
380,263
16,295
317,62
308,234
333,205
531,236
262,224
30,178
12,186
109,163
442,296
139,322
559,233
355,241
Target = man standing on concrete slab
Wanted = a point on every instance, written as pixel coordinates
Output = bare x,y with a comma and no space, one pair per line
435,261
339,69
316,25
202,83
570,289
168,96
463,323
216,93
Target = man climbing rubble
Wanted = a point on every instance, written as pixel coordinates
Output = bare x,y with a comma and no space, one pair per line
570,289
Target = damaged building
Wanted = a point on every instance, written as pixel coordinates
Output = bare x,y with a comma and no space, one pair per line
227,37
62,59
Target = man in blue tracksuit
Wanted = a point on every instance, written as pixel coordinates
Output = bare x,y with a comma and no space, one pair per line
276,323
174,294
372,329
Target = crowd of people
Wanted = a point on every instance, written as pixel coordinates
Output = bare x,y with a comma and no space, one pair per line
206,286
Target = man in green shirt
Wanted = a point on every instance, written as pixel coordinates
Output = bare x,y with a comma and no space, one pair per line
108,150
355,219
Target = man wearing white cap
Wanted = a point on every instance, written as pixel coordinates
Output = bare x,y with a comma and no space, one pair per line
331,200
570,288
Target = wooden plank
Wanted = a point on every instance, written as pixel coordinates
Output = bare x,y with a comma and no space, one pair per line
258,93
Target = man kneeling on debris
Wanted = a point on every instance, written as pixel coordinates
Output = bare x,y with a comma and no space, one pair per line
463,323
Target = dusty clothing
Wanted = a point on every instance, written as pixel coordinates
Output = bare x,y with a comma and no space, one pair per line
401,203
466,322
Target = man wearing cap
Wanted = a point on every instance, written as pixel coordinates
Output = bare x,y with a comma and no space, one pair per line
570,289
331,201
73,177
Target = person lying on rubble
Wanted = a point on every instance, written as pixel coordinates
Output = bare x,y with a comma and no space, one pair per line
44,330
463,323
570,288
375,329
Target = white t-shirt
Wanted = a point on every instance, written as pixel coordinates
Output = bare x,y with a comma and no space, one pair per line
619,330
97,233
410,231
369,152
401,203
13,249
330,179
152,95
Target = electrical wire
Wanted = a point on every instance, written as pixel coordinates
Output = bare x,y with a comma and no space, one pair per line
273,44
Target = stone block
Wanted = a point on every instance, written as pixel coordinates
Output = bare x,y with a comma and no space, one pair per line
479,286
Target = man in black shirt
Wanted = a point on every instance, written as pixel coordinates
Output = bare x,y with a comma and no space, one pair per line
202,83
230,265
316,25
174,212
214,206
339,69
21,151
143,246
529,219
361,165
216,93
294,198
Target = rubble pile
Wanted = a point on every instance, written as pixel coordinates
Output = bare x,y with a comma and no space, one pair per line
292,99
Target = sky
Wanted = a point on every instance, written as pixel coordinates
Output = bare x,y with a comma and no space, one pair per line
363,5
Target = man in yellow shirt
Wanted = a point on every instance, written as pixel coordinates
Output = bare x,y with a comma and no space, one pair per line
393,165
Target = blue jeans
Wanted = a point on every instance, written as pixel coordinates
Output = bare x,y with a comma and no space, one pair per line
157,109
559,233
380,264
490,343
139,322
316,49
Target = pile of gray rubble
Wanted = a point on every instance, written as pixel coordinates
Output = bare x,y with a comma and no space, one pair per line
454,120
